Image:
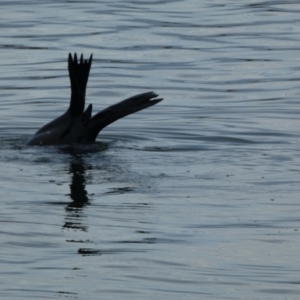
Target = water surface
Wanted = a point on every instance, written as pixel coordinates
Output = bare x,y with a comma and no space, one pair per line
195,198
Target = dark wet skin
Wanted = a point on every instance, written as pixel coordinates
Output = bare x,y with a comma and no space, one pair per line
77,126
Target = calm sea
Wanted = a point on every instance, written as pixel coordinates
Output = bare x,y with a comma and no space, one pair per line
195,198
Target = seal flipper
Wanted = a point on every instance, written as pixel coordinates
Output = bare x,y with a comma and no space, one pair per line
119,110
66,128
79,74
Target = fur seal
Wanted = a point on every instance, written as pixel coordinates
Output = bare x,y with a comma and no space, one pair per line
76,125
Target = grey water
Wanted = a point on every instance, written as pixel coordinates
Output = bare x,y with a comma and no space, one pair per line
194,198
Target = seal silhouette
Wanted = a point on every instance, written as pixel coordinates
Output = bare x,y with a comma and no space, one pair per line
76,125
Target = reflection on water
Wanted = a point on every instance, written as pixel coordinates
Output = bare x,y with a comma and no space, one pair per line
78,195
77,187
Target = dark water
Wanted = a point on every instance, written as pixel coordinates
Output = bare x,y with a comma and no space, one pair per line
195,198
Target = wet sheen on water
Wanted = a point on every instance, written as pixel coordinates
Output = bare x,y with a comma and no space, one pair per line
195,198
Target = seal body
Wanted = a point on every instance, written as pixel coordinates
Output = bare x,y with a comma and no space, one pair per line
76,125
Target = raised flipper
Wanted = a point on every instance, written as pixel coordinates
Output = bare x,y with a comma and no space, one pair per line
119,110
67,128
79,74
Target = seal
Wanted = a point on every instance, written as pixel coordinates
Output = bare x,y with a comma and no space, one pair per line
76,125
